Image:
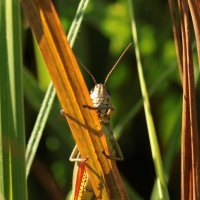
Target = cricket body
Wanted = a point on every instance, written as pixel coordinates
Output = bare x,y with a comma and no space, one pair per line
81,186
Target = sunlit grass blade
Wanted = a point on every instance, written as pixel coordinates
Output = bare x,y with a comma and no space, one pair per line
50,95
13,182
161,181
172,149
73,94
42,72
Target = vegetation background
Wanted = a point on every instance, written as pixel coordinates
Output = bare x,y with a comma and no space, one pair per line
104,34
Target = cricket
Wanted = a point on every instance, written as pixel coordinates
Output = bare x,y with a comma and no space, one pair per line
101,99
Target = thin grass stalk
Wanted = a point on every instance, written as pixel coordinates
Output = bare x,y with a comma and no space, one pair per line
161,181
46,106
177,38
194,6
172,149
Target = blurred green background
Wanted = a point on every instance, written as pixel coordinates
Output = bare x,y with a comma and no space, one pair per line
104,34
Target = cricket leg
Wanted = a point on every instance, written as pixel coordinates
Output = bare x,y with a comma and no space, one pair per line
90,107
116,153
97,108
62,112
75,156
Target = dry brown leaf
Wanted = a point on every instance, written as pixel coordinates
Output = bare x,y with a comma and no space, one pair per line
190,176
190,172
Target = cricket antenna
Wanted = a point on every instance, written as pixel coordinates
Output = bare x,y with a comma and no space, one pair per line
110,72
87,70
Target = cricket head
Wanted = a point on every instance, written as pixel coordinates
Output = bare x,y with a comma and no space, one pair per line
99,94
102,102
99,91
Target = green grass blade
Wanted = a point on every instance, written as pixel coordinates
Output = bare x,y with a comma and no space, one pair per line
161,182
3,89
172,150
13,184
49,97
42,72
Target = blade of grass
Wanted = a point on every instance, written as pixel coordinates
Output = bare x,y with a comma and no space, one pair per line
73,94
177,37
161,182
12,119
46,106
172,149
42,72
4,175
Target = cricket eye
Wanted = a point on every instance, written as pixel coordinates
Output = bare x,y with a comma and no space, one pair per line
92,90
